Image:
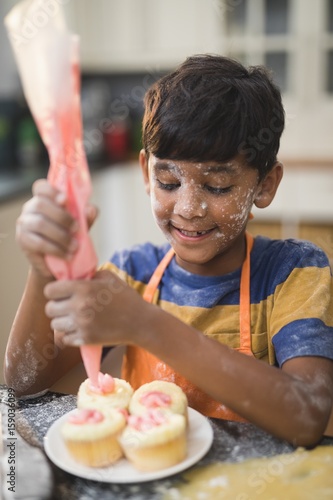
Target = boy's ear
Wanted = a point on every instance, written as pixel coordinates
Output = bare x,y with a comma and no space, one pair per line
143,159
268,186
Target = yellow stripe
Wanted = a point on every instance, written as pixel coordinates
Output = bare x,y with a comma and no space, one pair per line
221,323
306,294
136,285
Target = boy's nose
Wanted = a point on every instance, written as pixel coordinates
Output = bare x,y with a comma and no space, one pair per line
189,204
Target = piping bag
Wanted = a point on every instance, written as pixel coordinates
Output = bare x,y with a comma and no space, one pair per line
47,56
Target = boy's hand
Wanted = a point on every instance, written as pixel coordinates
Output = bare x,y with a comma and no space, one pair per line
104,310
45,227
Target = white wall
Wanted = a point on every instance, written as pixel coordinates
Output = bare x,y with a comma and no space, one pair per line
13,271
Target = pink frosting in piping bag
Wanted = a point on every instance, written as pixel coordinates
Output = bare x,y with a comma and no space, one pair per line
51,86
70,173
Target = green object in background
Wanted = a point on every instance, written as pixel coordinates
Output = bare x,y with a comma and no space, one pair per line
28,143
27,131
5,142
4,128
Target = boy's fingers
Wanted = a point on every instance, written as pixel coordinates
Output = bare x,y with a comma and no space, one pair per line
33,225
42,187
64,324
45,206
55,309
72,339
91,214
45,198
35,243
57,290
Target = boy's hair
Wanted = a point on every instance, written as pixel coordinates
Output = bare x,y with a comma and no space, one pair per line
211,108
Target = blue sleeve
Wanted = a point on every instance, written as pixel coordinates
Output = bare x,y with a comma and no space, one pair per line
302,314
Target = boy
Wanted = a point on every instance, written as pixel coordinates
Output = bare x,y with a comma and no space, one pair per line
211,135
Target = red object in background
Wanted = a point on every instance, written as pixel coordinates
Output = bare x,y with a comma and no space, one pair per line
117,141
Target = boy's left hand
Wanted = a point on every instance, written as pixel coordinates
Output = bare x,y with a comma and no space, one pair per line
104,310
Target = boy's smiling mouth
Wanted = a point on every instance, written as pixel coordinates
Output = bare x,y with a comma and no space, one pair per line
194,233
185,233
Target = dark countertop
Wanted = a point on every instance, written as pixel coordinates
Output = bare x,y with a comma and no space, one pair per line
233,442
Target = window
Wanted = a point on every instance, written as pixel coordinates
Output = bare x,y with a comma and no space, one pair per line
278,63
293,38
257,32
236,18
328,45
330,71
276,16
330,16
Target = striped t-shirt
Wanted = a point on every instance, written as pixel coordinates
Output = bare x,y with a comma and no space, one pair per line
291,292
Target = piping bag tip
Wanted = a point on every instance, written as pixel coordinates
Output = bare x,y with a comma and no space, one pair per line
91,356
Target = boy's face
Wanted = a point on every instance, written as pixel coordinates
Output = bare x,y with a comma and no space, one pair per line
202,209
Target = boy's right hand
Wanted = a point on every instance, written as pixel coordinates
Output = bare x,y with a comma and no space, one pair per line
45,227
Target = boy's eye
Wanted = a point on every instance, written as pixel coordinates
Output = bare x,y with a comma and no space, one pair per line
218,190
168,186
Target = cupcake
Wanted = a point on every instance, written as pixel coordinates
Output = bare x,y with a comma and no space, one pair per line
155,440
159,394
110,393
91,436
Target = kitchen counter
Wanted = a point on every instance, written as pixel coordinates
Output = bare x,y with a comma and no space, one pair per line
233,442
14,185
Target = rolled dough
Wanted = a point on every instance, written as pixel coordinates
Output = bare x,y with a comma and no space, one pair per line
300,475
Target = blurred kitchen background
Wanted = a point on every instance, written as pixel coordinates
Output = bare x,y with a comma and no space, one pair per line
125,46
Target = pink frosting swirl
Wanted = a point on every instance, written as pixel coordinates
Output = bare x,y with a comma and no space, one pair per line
151,419
106,384
86,416
155,399
124,412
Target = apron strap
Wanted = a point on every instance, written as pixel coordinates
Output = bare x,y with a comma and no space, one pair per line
244,301
154,281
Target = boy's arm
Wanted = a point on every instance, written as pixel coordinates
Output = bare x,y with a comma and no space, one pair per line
35,358
293,403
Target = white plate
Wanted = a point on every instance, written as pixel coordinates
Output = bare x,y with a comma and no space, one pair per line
200,438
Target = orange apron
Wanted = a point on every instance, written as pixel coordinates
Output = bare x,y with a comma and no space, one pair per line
138,365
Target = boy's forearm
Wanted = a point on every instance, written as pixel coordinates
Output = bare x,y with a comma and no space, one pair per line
265,395
31,353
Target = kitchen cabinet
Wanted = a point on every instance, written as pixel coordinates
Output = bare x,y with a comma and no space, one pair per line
302,208
142,35
305,193
318,233
125,216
